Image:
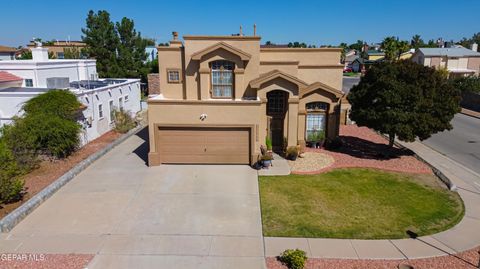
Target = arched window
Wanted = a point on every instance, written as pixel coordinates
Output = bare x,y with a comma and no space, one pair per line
222,79
316,121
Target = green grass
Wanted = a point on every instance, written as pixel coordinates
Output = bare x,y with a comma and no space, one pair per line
356,204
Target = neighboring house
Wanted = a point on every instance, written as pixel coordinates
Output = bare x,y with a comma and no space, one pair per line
41,72
8,80
360,64
407,55
99,98
7,53
221,96
374,55
350,56
458,61
59,47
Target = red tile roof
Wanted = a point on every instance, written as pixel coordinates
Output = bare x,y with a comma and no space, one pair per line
6,77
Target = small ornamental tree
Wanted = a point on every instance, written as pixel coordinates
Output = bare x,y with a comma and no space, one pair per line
404,99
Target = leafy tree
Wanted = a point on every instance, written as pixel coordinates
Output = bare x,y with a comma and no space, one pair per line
417,42
431,44
26,55
357,46
393,47
469,84
404,99
269,43
297,44
467,43
131,50
102,41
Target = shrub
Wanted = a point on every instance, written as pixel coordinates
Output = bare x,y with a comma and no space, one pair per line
11,186
467,84
268,143
60,103
292,153
123,121
21,144
294,258
316,136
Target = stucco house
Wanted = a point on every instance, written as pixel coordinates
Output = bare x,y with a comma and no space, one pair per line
59,47
459,61
221,96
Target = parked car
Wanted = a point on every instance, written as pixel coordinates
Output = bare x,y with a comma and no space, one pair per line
347,70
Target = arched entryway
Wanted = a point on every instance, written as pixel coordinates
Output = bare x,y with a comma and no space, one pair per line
277,107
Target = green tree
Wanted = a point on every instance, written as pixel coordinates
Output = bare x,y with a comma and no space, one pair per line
26,55
417,42
404,99
102,40
131,50
469,84
11,186
393,47
72,53
357,46
467,42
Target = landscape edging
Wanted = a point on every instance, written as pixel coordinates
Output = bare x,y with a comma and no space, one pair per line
13,218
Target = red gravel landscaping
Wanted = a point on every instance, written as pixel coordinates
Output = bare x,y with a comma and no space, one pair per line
49,171
465,260
364,148
47,261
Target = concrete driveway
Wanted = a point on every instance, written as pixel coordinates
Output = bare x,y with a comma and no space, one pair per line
133,216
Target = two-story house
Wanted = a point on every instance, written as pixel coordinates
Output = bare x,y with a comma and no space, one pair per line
221,96
458,61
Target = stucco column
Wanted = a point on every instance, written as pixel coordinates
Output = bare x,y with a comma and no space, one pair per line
301,126
239,74
292,121
204,83
262,129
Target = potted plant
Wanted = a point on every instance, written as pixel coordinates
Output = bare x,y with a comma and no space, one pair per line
266,160
292,153
316,138
268,143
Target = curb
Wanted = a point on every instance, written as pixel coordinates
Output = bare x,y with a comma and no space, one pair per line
13,218
468,113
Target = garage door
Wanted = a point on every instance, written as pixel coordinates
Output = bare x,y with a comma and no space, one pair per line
204,145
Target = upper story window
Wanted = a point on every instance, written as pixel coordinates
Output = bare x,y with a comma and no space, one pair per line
28,82
173,76
222,79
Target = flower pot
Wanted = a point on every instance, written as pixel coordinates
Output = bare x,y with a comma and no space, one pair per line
267,163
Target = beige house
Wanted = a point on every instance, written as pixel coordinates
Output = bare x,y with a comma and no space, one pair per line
458,61
221,96
58,48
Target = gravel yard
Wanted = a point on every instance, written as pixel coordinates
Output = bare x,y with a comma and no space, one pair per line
45,261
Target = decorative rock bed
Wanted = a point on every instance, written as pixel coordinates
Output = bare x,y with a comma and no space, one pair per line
312,161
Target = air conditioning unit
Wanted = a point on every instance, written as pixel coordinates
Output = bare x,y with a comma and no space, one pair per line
58,83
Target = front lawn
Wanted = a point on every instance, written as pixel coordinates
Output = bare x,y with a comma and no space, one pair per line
356,204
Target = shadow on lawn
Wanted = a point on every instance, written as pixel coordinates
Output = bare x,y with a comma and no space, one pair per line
365,149
142,150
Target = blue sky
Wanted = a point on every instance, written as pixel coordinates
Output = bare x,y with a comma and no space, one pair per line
314,22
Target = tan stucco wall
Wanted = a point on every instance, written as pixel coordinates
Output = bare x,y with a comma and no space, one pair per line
183,103
474,63
219,113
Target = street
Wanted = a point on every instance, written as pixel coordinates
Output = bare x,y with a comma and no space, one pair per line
462,144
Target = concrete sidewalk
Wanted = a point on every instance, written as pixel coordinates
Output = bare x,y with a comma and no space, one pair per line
465,235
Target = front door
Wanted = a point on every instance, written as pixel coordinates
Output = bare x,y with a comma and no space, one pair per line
277,104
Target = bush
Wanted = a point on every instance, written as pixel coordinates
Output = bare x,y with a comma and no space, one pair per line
59,103
316,136
21,144
294,258
123,121
11,186
469,84
268,143
292,153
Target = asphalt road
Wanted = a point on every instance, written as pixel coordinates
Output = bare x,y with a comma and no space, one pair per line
462,143
349,82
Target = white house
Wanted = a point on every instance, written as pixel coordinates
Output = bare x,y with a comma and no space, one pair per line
100,99
99,96
41,72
